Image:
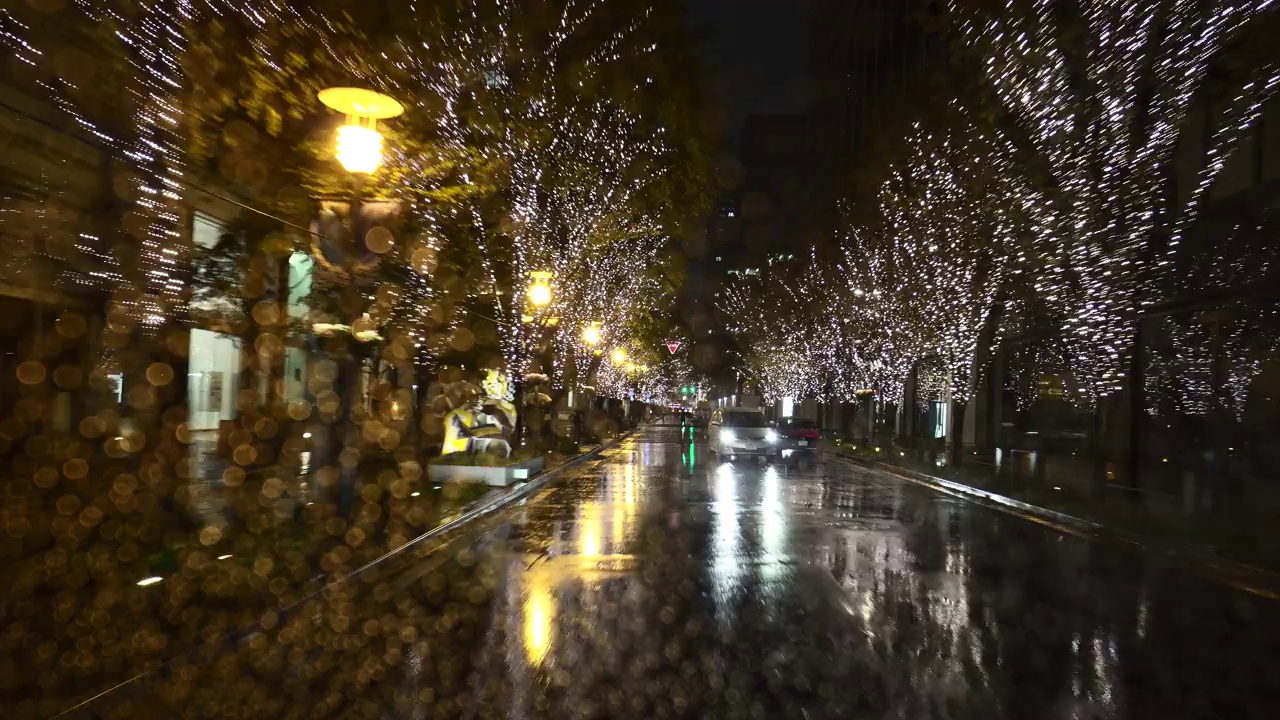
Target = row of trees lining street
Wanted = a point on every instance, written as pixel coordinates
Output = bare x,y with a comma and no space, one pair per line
558,138
1049,201
540,138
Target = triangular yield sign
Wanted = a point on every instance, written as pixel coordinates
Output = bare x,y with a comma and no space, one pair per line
673,346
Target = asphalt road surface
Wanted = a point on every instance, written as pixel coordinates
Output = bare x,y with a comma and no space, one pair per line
655,582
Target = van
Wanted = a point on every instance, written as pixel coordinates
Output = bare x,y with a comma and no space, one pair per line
741,431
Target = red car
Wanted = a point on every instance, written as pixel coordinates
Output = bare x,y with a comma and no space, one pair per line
797,436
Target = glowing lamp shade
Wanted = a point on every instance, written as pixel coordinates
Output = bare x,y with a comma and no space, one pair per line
359,142
539,294
619,356
591,335
359,148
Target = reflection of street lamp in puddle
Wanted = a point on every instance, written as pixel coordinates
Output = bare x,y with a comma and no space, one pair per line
590,533
539,607
629,473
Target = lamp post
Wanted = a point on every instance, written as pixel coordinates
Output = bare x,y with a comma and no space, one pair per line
539,291
359,151
591,336
538,296
359,142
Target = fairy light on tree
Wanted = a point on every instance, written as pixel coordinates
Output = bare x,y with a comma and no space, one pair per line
143,131
930,274
1104,94
578,147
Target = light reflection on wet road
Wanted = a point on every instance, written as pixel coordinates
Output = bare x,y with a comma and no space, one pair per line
655,583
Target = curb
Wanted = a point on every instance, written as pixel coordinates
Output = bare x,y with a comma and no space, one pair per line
1248,578
1069,522
481,508
475,511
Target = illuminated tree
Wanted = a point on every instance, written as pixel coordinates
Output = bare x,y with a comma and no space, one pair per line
566,113
929,273
959,227
1103,94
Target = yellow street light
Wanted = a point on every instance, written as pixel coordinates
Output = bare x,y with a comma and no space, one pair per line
619,356
540,288
359,142
539,295
591,334
631,367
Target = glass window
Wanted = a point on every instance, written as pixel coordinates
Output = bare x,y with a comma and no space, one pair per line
745,420
206,230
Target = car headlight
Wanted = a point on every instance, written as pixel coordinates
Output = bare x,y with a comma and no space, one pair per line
727,436
771,436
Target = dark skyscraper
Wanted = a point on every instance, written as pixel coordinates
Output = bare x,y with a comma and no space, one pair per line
774,194
870,59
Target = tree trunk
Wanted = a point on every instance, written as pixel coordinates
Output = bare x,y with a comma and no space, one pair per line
1219,459
1104,425
1137,408
979,376
911,417
344,430
544,351
956,449
275,368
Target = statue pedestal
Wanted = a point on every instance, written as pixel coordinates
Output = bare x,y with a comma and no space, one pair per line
500,476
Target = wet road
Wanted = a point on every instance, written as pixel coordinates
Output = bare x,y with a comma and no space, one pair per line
656,583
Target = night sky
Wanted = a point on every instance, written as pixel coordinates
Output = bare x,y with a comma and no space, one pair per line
757,54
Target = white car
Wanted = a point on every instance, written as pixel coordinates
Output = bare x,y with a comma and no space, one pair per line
741,431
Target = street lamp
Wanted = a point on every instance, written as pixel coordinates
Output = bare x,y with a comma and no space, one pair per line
540,288
591,334
359,142
619,356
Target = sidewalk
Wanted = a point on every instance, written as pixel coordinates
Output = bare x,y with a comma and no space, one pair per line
220,556
1210,545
